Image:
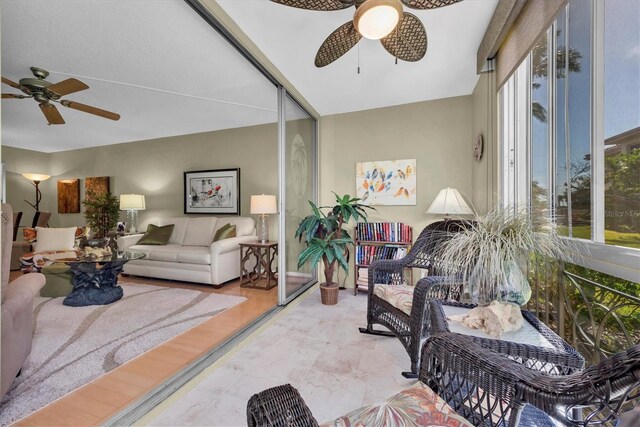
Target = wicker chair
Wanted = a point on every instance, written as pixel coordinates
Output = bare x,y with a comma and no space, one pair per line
490,389
411,328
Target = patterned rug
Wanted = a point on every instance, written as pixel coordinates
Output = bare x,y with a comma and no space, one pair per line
74,345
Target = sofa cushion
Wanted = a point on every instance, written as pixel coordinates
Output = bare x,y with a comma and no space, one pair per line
179,229
245,226
156,235
417,405
195,255
200,231
399,296
166,252
225,232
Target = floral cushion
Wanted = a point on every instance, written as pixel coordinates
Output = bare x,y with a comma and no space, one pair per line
417,405
33,262
399,296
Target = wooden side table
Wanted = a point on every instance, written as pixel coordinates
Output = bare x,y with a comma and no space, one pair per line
263,276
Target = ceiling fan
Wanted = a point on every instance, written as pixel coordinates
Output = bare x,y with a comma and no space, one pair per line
401,33
45,93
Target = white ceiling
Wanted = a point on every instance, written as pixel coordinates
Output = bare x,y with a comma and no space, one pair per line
157,63
290,38
167,72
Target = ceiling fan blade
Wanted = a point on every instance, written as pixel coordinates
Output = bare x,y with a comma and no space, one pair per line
51,113
408,41
12,96
91,110
66,87
10,83
317,4
428,4
337,44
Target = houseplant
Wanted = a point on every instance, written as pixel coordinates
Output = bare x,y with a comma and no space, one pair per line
101,211
490,256
327,240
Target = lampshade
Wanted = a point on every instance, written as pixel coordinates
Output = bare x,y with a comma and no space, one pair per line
375,19
36,176
264,204
449,202
134,202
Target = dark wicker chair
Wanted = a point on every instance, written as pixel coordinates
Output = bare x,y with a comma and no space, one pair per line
411,329
490,389
280,406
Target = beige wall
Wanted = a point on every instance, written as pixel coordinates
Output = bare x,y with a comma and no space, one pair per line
153,168
484,172
438,134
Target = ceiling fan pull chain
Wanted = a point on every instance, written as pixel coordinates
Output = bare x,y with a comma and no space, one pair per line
358,58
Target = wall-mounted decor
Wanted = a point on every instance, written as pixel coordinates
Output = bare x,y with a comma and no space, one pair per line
97,185
478,148
387,182
69,196
212,191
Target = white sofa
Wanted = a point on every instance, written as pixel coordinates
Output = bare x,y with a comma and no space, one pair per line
191,255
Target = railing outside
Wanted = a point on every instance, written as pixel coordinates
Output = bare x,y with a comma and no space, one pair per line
597,314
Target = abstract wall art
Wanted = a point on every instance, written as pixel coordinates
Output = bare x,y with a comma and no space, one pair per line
387,182
69,196
96,185
212,191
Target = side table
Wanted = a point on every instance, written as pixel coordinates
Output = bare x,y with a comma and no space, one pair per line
263,276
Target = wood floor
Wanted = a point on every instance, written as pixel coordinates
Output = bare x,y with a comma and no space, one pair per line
104,397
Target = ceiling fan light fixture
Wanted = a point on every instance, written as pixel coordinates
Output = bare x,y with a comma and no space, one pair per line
375,19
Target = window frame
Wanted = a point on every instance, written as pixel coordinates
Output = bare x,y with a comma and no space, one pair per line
515,149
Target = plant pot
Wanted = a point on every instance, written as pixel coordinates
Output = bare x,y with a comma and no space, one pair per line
329,293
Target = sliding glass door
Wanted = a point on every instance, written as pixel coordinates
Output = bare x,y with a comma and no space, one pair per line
297,188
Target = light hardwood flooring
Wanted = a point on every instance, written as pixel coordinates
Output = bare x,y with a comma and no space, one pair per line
102,398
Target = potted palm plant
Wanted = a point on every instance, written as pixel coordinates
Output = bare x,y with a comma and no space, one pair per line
327,241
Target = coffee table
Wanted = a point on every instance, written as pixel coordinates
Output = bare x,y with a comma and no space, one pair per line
95,280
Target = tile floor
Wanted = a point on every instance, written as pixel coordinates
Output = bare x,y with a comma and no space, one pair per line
316,348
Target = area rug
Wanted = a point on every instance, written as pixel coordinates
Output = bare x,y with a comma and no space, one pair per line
74,345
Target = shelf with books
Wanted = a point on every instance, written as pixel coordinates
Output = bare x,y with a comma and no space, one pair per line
378,240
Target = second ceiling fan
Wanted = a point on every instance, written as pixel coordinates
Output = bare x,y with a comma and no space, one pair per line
400,33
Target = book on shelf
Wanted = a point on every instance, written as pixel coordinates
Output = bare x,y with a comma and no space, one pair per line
383,232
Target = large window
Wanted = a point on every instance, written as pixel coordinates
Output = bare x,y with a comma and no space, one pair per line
580,152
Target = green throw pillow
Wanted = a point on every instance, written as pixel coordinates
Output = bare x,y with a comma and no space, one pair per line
225,232
156,235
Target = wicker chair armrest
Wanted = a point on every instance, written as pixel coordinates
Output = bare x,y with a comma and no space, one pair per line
427,289
280,406
449,360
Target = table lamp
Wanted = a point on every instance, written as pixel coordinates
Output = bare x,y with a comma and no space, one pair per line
132,203
449,202
36,179
263,205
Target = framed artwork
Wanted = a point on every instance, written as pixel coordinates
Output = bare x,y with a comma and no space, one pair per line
97,185
212,192
69,196
387,182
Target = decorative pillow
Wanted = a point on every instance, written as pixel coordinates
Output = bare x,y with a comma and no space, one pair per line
225,232
417,405
54,239
31,235
156,235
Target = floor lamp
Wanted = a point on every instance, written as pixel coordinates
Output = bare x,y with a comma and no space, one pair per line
36,179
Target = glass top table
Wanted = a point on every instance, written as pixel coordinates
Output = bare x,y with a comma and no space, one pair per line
534,345
95,278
